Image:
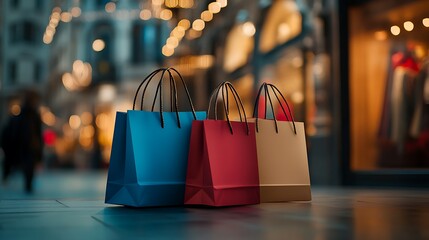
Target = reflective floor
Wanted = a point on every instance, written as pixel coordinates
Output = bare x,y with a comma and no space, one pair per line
69,205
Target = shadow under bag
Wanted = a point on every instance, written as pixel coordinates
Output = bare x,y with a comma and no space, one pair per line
150,150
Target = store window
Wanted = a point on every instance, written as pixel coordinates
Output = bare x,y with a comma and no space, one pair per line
101,54
14,4
283,22
291,50
12,72
389,85
239,46
23,32
147,43
37,74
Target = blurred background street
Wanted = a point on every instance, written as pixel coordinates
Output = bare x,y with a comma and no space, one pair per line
355,72
73,64
58,184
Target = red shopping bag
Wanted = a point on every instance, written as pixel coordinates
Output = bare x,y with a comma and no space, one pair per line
222,162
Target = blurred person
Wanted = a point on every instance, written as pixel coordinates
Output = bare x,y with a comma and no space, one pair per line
22,140
9,144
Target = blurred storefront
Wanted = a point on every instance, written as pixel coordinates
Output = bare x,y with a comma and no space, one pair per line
98,52
386,48
335,61
287,43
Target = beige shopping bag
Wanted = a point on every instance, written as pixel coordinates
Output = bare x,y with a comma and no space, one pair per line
282,154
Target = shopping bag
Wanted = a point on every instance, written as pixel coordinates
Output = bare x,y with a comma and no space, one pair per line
150,150
282,153
222,163
116,172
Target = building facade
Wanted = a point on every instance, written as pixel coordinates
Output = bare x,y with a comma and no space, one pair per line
24,56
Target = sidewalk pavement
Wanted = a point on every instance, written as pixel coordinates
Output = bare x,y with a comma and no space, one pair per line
70,205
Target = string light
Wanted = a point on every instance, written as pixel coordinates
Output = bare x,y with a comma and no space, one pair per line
75,12
186,3
198,25
98,45
185,23
145,14
214,7
166,14
172,42
206,16
222,3
110,7
167,51
172,3
425,22
395,30
408,26
249,29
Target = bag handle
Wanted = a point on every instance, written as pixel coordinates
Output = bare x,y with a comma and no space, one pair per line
173,101
275,90
149,77
224,87
173,87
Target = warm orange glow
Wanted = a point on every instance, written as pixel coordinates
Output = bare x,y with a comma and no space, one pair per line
98,45
86,118
214,7
222,3
194,34
178,32
69,82
249,29
102,121
166,14
198,25
395,30
66,17
47,39
50,31
157,2
408,26
56,16
186,3
202,61
74,121
185,23
206,16
15,109
78,66
76,11
87,131
172,42
47,116
425,22
167,51
54,21
56,10
110,7
380,35
171,3
145,14
52,24
86,136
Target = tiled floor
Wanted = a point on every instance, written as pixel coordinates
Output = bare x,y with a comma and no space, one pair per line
70,206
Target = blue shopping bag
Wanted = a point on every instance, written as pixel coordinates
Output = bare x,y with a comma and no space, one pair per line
150,152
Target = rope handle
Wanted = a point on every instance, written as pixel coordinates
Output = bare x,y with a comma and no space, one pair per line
223,88
275,90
